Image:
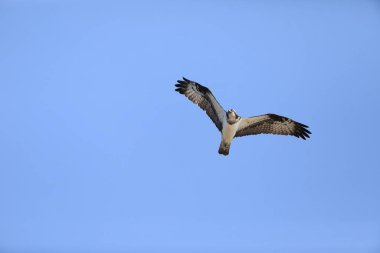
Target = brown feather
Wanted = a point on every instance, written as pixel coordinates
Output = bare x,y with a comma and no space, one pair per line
203,97
274,124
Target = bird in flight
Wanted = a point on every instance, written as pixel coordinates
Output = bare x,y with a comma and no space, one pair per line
231,125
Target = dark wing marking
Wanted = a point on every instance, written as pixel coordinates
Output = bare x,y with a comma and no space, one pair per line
203,97
272,124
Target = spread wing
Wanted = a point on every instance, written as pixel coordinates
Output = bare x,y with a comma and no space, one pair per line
203,97
272,124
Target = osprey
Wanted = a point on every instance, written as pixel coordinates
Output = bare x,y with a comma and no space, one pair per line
231,125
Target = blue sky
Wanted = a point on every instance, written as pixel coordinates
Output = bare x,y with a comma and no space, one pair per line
99,154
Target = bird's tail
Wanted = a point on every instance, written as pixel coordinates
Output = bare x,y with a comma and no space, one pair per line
224,148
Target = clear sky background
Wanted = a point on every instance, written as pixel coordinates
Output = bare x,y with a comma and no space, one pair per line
98,153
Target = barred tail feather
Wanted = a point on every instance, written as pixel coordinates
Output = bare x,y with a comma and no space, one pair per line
224,148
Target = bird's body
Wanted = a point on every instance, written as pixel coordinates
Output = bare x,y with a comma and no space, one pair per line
231,125
229,131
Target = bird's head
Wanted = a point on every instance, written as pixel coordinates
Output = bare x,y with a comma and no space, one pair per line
232,116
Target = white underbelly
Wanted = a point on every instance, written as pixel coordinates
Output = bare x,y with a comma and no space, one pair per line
229,132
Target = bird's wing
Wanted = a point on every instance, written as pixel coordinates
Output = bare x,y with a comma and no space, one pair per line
203,97
272,124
